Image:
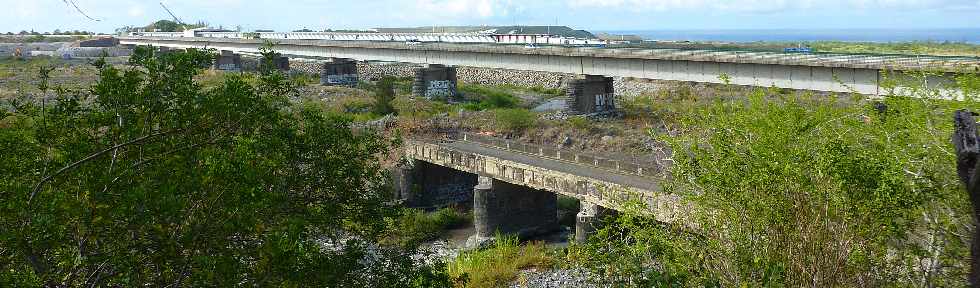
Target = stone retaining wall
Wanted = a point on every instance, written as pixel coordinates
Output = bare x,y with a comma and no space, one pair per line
624,87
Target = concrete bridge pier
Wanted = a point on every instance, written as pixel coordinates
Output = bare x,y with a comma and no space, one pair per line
339,72
588,94
228,61
435,81
506,208
587,220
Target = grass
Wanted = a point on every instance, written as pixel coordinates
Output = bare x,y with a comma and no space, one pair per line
416,226
499,265
514,120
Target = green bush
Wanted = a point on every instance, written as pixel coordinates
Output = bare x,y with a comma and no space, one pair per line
414,226
487,98
804,192
514,120
384,94
150,179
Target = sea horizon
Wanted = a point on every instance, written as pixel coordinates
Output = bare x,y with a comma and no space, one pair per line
962,35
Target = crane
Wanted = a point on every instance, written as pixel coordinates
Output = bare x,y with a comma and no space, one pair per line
172,14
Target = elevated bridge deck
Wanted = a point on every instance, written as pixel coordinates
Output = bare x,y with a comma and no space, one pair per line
846,73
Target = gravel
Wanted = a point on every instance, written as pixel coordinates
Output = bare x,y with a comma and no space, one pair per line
558,278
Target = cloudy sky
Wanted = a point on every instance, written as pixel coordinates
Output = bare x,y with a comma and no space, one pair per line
47,15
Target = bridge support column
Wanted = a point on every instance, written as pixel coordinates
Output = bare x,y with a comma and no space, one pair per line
511,209
435,81
281,63
228,61
339,72
588,94
587,220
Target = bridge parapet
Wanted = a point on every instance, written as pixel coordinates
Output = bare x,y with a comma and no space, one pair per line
617,164
589,184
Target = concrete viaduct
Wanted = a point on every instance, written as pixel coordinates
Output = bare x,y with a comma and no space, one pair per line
820,72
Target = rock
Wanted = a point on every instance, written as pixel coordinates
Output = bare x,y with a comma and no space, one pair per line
476,242
566,142
606,139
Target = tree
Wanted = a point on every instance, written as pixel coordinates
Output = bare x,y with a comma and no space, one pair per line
165,26
150,179
384,94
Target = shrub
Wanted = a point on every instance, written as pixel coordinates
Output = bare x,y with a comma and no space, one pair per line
414,226
804,192
514,120
149,179
303,79
498,265
580,123
384,94
488,97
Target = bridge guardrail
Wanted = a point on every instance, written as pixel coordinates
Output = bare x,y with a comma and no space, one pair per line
624,166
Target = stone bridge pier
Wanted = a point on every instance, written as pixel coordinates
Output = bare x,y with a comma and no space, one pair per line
339,72
588,219
501,207
424,185
588,94
228,61
435,81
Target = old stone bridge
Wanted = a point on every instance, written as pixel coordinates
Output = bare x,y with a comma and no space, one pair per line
514,186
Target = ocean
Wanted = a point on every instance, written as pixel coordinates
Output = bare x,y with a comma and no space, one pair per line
968,35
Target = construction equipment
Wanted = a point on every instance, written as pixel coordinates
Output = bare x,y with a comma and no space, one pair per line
182,25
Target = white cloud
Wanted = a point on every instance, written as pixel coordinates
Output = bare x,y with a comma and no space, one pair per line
463,8
136,11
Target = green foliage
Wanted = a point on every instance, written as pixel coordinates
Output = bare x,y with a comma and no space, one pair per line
514,120
804,191
171,26
149,179
580,123
487,97
303,79
911,48
35,38
499,264
414,226
384,94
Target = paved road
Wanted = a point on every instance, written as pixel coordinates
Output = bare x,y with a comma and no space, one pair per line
650,184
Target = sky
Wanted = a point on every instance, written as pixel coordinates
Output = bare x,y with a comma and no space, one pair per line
593,15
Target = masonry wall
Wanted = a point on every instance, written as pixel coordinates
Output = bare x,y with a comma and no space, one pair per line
624,87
